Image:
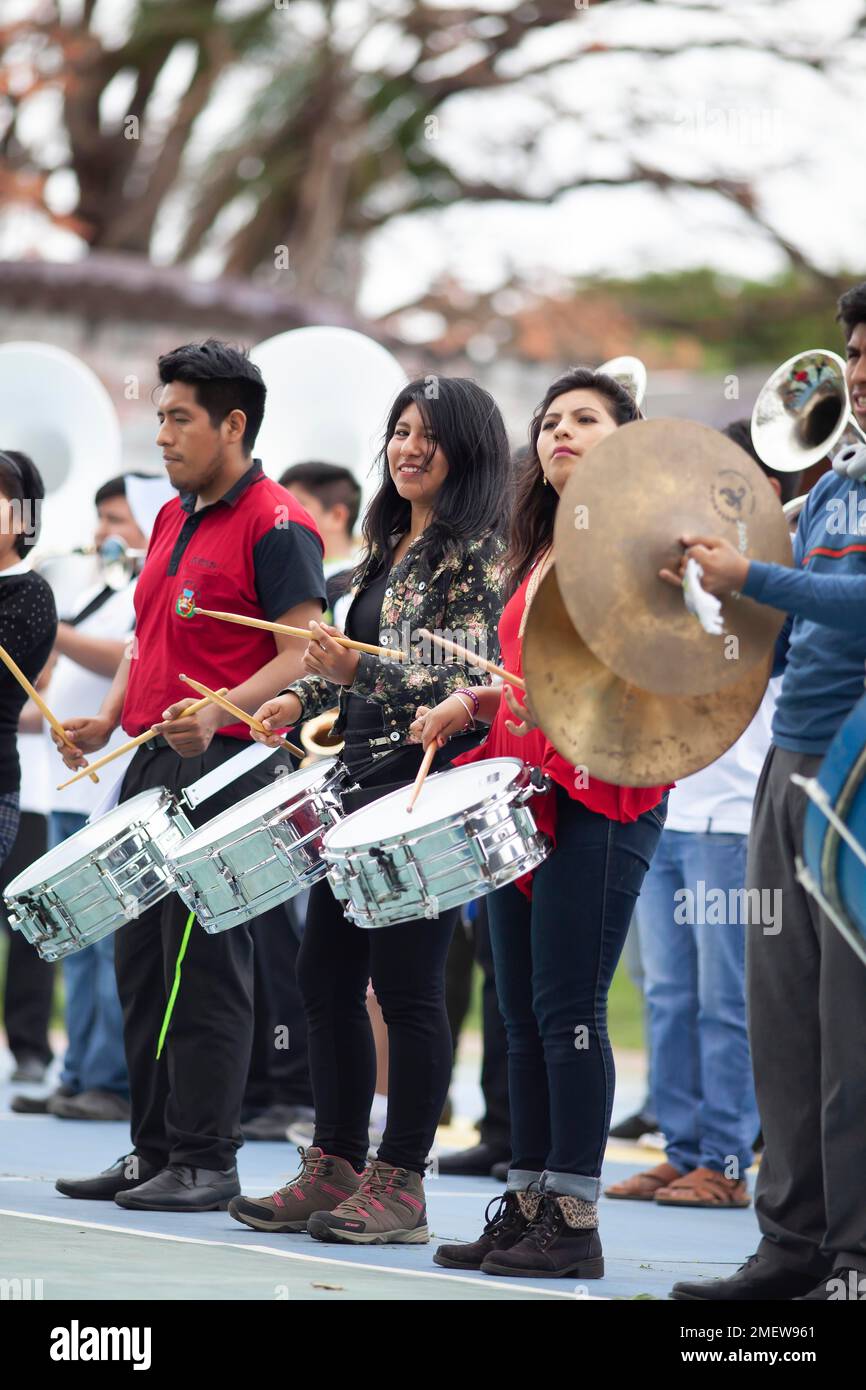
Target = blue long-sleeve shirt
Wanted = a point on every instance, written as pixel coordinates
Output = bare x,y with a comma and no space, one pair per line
822,647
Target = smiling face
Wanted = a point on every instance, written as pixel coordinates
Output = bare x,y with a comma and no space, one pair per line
416,472
572,424
855,373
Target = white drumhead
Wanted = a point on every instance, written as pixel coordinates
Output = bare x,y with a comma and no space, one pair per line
255,807
442,795
87,840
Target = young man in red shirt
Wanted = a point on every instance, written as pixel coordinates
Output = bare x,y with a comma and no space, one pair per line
232,540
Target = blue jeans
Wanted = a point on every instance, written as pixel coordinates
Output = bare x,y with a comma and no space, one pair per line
554,958
95,1059
701,1076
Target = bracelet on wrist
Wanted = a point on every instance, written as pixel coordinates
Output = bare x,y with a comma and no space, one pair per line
470,695
470,723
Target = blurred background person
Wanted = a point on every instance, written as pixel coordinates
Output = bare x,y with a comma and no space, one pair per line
89,647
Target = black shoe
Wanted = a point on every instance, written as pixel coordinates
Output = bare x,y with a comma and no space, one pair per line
843,1285
29,1069
128,1172
272,1124
38,1105
499,1171
550,1249
758,1278
505,1228
89,1105
634,1126
476,1162
182,1188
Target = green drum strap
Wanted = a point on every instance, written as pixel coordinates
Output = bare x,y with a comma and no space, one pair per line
176,986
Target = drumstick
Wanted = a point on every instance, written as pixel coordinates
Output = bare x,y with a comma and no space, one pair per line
303,632
133,743
474,660
422,773
15,670
219,699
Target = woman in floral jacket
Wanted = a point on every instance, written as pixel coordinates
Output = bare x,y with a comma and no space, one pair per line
433,560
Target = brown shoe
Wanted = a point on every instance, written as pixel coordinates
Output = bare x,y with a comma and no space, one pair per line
387,1209
323,1182
644,1186
704,1187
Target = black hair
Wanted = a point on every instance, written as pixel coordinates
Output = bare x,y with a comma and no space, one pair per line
465,422
116,487
224,379
330,483
740,431
21,481
851,308
535,502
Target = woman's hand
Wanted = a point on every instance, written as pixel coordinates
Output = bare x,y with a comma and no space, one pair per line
447,718
330,659
521,712
276,714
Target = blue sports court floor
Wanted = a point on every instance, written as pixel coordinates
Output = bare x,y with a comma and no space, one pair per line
95,1250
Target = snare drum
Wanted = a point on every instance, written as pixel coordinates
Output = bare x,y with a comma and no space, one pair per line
469,833
834,831
262,851
104,875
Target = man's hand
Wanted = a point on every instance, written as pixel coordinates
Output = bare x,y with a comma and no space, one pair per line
725,569
189,735
325,657
279,713
86,736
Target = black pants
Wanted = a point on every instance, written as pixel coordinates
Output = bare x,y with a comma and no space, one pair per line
29,979
279,1067
186,1107
471,944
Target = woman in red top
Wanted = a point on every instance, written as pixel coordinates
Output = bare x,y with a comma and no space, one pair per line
556,940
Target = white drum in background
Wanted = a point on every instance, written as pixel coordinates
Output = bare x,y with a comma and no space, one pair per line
262,851
470,832
104,875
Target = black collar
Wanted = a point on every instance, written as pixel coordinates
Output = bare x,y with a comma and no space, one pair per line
252,475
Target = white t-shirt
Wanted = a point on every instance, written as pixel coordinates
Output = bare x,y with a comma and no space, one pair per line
719,798
74,692
37,765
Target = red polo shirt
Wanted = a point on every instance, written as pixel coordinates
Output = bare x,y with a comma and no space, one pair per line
256,551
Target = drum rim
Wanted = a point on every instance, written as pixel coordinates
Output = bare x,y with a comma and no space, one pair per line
411,835
165,797
213,844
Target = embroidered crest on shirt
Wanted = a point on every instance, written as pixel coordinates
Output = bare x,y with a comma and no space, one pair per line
185,606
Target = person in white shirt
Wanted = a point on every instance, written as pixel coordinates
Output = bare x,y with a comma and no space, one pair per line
89,647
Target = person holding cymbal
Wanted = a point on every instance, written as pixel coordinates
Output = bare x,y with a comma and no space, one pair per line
556,940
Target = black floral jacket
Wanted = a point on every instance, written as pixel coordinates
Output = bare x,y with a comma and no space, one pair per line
461,599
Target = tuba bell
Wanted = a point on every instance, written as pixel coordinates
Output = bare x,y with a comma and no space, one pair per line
317,739
631,373
803,413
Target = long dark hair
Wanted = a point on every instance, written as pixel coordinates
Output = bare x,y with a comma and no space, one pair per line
535,502
21,481
465,422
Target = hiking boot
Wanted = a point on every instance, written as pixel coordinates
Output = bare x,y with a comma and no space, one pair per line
563,1240
323,1182
505,1228
387,1209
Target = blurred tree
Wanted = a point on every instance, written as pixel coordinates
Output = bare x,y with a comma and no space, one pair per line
335,108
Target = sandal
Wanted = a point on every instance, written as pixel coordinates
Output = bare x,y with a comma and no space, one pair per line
644,1186
704,1187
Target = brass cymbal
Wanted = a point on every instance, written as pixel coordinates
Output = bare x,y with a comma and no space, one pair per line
618,523
617,732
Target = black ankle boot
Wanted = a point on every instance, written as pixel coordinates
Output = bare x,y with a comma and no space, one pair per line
551,1248
505,1228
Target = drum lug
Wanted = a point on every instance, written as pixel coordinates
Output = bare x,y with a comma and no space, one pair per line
383,859
538,782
